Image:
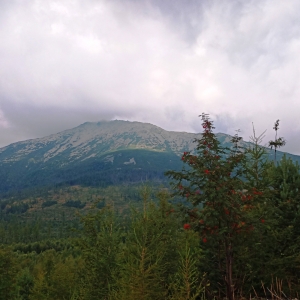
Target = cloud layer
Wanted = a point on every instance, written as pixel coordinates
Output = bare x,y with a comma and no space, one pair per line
164,62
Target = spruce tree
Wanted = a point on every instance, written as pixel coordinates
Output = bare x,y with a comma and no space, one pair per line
285,178
8,271
278,142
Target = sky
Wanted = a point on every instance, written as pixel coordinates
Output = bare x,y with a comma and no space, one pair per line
165,62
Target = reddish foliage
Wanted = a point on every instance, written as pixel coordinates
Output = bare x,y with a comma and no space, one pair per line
186,226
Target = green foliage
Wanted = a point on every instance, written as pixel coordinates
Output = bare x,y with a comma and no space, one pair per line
278,142
17,208
25,283
56,276
257,163
286,183
74,203
93,172
3,204
49,203
100,246
150,242
100,204
188,282
286,179
215,179
8,271
235,233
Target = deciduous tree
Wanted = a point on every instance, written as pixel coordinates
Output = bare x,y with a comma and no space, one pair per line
214,179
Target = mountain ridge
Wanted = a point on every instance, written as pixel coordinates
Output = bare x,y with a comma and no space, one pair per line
134,135
97,153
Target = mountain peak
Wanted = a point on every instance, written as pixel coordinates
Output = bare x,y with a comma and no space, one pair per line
92,138
109,148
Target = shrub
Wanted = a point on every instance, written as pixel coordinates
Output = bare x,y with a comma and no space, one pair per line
74,203
49,203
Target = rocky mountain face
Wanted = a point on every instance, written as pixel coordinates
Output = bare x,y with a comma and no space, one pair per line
96,154
95,139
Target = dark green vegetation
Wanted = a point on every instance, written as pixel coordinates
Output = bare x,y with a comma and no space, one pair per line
149,165
235,233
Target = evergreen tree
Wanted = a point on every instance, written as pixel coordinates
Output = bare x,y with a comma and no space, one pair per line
285,178
100,246
148,259
278,142
25,283
8,271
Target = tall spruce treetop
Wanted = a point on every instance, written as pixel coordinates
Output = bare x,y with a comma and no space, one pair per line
278,142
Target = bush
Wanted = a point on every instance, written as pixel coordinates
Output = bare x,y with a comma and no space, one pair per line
74,203
49,203
17,209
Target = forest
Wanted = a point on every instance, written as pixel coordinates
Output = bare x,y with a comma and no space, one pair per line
227,227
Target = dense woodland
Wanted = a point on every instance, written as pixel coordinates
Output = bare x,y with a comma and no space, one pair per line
227,227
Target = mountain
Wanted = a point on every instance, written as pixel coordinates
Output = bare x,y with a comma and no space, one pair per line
100,153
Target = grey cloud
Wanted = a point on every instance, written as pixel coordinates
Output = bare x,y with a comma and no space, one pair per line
163,62
28,121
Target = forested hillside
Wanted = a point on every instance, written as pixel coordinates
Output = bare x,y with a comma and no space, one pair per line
98,154
226,228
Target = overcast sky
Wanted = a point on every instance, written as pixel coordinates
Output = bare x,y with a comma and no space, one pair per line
66,62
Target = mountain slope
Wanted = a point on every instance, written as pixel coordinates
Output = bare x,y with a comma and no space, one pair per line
100,153
90,139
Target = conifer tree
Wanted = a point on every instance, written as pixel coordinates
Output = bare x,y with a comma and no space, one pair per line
278,142
188,281
256,175
148,258
100,247
8,271
25,283
286,183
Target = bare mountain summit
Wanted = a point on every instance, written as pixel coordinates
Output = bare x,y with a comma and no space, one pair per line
94,139
95,154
